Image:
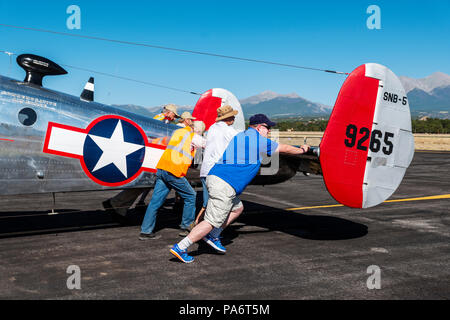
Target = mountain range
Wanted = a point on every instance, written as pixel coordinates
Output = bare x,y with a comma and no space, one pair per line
150,111
427,84
283,106
429,96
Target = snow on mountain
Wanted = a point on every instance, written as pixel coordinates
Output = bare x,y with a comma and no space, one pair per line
427,84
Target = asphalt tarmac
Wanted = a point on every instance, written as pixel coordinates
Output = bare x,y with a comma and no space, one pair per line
317,251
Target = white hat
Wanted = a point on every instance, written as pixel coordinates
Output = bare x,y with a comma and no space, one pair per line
199,127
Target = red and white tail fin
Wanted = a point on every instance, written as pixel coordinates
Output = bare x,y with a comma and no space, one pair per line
368,144
206,107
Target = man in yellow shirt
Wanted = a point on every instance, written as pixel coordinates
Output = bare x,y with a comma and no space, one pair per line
170,112
171,174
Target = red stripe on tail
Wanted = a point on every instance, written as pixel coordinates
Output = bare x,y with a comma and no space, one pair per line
344,149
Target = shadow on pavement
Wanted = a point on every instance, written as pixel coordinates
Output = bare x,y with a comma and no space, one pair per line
256,218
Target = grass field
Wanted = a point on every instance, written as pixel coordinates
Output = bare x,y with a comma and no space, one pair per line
434,142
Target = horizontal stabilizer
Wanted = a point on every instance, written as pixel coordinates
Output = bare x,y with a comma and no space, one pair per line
368,144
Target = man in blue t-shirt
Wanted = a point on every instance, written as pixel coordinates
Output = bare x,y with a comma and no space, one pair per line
228,178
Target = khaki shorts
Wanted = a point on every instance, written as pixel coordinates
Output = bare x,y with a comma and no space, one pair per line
222,200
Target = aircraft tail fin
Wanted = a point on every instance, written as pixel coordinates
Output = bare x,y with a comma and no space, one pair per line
368,144
88,92
206,107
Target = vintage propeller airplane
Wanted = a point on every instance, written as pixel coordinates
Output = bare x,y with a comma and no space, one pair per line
54,142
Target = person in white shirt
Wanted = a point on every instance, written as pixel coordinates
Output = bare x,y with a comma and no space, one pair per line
218,137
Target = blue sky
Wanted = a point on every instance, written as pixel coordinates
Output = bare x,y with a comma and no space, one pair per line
413,41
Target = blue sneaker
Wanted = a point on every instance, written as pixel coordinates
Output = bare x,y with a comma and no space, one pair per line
181,254
215,243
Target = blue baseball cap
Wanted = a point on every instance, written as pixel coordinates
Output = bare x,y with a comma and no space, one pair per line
261,118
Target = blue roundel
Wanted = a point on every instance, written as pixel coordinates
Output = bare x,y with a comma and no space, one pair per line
114,150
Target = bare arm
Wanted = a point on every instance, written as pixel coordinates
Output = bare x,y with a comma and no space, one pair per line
198,142
285,148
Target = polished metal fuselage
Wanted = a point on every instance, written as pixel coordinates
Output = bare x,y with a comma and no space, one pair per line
25,168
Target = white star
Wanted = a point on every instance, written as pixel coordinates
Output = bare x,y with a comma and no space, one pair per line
115,150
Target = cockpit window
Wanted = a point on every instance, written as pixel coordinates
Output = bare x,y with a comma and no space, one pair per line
27,116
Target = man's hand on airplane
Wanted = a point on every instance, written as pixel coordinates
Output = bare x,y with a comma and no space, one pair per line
286,148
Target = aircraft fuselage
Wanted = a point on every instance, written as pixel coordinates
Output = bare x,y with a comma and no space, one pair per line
25,113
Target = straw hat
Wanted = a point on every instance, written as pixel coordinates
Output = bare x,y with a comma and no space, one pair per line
187,115
173,108
225,112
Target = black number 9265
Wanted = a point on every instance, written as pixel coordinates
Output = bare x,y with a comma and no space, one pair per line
376,138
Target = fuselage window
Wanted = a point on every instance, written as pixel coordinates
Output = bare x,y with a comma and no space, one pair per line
27,116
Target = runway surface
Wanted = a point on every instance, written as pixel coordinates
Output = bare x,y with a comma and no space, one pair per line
290,243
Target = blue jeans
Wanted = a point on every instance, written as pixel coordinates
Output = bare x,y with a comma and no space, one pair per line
165,181
205,191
